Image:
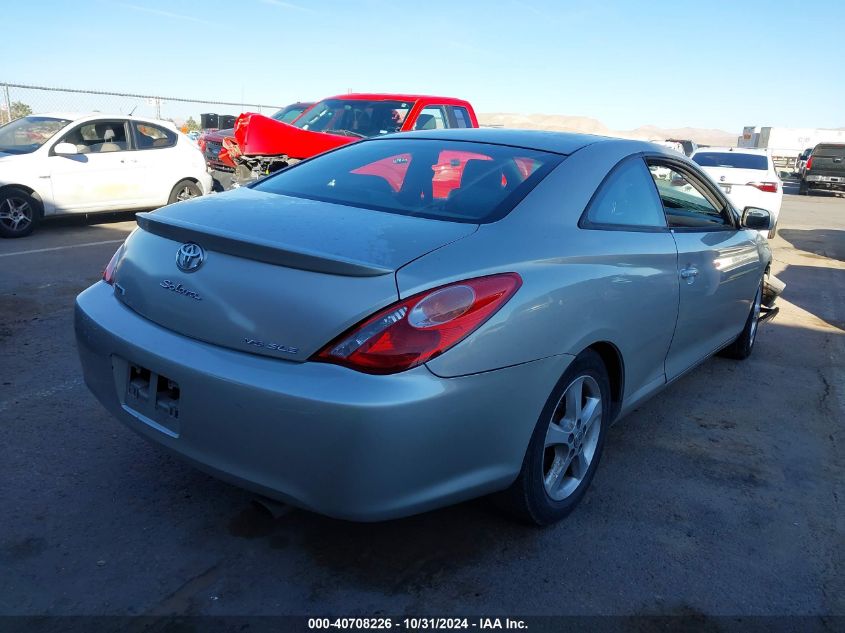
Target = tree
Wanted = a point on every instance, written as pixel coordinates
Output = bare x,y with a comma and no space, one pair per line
19,109
191,125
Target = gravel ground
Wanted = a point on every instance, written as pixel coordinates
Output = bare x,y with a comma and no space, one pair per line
721,496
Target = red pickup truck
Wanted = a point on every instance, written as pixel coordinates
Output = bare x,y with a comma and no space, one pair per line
263,145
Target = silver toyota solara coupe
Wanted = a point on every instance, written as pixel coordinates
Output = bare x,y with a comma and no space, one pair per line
410,321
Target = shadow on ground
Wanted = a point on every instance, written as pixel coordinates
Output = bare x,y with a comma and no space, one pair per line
824,242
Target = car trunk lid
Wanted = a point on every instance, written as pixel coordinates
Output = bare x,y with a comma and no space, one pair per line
732,176
281,276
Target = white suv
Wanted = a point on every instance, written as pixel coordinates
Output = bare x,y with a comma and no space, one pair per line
747,176
53,164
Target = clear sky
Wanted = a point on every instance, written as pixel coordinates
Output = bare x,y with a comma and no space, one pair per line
718,63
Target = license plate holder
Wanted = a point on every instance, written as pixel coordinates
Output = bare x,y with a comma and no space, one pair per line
725,188
153,398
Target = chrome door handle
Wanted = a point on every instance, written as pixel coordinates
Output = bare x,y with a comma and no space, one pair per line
689,274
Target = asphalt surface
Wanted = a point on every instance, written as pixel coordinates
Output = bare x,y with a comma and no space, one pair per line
721,496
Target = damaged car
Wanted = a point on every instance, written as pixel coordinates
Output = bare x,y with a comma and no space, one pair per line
263,145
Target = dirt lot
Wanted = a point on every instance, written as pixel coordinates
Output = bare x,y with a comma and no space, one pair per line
723,495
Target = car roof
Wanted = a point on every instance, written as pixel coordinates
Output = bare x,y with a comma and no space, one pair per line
556,142
376,96
75,117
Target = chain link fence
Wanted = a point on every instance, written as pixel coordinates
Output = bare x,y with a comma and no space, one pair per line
17,100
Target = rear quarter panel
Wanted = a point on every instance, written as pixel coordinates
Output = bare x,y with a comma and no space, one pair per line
579,286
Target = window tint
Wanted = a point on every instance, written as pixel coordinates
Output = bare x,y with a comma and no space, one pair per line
152,136
830,151
98,137
732,159
431,118
627,198
445,180
684,202
461,116
355,117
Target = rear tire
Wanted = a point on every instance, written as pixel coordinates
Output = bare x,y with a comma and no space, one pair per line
184,190
802,188
742,347
566,445
20,212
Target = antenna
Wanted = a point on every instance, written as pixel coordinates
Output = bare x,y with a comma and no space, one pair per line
132,111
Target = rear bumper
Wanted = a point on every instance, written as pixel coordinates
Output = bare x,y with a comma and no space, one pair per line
326,438
206,182
825,182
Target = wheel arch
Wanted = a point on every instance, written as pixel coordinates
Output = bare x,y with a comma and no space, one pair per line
29,190
615,365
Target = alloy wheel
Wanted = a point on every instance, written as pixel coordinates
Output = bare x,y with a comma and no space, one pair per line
572,437
186,193
15,213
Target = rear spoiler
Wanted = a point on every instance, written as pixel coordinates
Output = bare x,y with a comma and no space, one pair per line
256,249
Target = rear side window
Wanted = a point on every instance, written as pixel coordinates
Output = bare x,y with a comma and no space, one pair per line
732,159
151,136
830,151
627,198
461,116
443,180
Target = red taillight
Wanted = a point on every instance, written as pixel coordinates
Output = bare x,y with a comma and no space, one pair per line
415,330
769,187
108,273
201,144
809,164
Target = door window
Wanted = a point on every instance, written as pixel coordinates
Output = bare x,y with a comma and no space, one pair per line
627,198
151,136
96,137
686,202
431,118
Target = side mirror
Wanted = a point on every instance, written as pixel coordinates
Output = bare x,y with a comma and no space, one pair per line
756,218
65,149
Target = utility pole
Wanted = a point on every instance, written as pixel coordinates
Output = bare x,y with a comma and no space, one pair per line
8,102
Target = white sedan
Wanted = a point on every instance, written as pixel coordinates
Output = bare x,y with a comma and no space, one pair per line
60,163
747,176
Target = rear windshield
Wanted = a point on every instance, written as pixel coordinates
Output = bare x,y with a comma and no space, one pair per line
732,159
443,180
830,151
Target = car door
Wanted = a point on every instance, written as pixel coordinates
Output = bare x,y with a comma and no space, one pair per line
719,265
626,229
158,159
101,176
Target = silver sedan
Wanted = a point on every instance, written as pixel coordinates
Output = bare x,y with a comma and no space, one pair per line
411,321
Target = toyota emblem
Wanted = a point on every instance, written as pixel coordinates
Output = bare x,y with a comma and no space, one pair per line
190,257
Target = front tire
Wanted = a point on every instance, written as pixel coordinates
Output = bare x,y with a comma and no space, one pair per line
184,190
566,445
742,347
20,212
